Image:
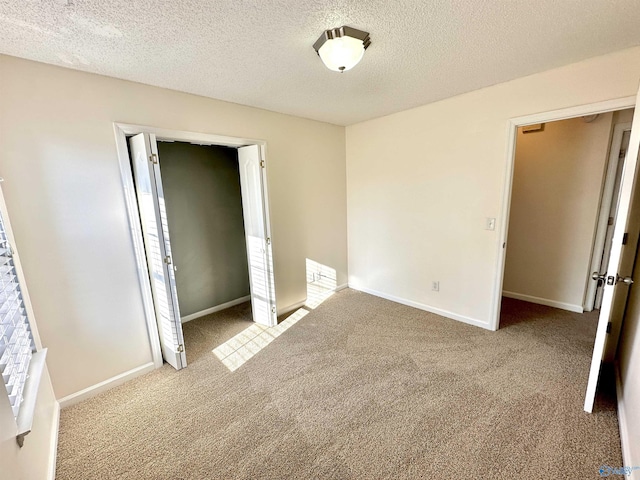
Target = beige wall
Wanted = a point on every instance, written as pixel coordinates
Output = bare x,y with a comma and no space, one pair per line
63,187
204,207
557,183
623,116
421,183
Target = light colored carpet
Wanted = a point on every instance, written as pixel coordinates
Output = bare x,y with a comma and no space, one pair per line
359,388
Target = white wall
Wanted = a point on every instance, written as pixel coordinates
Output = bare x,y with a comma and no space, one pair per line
557,184
420,184
63,187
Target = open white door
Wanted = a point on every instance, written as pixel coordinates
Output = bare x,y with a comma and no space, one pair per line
155,231
258,235
618,269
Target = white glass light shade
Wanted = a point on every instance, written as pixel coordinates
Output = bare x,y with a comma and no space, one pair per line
341,53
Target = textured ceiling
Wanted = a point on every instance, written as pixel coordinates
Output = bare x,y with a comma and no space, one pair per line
258,52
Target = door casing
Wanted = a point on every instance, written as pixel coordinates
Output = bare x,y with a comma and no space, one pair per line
121,131
503,224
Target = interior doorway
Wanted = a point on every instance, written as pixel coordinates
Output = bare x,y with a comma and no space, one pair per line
564,199
625,231
567,178
151,213
203,202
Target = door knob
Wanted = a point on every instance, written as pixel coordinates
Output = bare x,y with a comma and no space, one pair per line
599,277
627,280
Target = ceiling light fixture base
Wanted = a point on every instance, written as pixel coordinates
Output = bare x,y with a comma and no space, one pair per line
342,48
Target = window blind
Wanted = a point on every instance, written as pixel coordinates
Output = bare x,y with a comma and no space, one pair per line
16,341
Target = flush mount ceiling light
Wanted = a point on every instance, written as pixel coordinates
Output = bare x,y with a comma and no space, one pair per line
342,48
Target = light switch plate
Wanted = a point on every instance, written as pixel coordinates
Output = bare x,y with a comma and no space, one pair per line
490,224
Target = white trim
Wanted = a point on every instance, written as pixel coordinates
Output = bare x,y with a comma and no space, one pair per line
422,306
503,220
606,199
341,287
106,385
53,450
625,442
131,202
167,135
27,410
217,308
544,301
577,111
503,226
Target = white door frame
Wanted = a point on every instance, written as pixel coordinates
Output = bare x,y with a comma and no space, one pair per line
121,131
605,210
512,131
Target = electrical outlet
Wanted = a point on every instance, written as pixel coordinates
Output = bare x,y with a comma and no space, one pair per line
435,286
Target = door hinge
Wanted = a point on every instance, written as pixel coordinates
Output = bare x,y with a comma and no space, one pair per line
167,260
153,158
625,238
262,163
273,309
268,240
610,222
609,327
180,348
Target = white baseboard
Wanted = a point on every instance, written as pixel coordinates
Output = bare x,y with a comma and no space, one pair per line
53,451
624,431
215,309
422,306
544,301
300,304
106,385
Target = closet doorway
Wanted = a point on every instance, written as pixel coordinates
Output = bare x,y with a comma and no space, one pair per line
140,151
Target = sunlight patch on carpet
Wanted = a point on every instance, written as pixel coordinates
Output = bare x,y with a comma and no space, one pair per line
236,351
